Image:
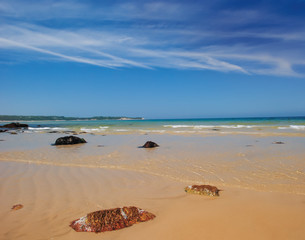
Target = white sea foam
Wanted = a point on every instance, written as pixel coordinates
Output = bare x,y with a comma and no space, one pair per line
152,131
185,131
100,129
47,128
121,130
295,127
178,126
210,126
39,128
91,129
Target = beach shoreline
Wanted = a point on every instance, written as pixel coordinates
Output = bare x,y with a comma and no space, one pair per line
53,196
263,185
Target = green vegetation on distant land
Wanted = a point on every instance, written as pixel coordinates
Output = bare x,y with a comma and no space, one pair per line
53,118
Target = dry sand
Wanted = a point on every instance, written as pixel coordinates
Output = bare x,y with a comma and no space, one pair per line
54,192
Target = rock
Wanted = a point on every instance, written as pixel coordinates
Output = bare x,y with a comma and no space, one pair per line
3,130
15,125
14,133
111,219
69,140
278,142
203,190
17,207
150,144
53,132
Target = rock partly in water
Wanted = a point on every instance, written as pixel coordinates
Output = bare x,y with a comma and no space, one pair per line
111,219
203,190
53,132
3,130
17,207
150,144
15,125
69,140
278,142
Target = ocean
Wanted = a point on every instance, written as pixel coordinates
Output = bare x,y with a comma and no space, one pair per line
175,126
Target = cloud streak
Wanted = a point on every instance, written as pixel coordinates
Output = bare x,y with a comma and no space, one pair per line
160,34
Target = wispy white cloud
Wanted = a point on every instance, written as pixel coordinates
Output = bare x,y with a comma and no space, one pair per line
170,35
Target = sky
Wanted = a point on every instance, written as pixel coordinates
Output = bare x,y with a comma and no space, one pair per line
152,59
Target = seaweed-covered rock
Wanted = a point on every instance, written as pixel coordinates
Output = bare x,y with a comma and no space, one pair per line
15,125
69,140
203,190
150,144
111,219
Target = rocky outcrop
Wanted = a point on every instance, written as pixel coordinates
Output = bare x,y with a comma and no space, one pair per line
15,125
69,140
203,190
150,144
111,219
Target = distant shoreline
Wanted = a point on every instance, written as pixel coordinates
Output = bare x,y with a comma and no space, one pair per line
5,118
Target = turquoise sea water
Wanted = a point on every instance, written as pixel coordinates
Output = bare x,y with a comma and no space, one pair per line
176,126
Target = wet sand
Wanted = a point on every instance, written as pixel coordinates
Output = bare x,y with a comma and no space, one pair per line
59,184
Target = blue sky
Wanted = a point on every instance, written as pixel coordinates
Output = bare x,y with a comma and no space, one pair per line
156,59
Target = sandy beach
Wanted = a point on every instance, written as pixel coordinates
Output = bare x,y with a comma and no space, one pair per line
263,185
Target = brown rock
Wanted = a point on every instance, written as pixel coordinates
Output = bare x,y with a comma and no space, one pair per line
17,207
111,219
278,142
203,190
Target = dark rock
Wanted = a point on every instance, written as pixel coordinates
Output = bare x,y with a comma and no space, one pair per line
69,140
14,133
215,129
278,142
15,125
53,132
203,190
100,146
111,219
150,144
3,130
